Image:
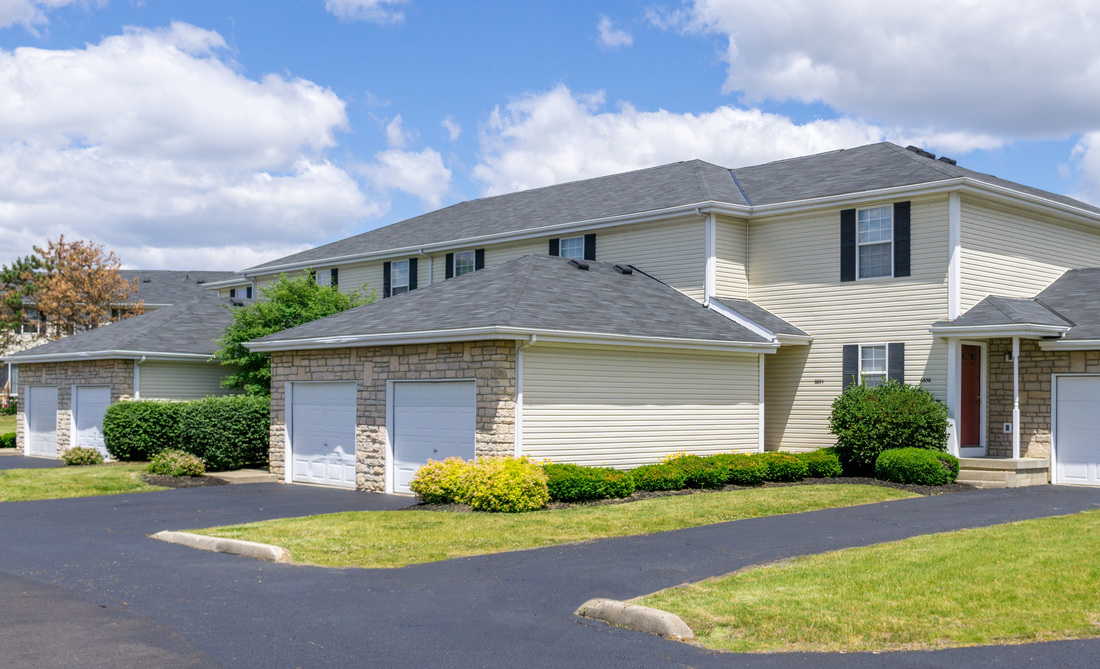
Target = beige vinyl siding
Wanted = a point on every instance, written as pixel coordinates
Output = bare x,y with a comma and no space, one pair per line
1018,254
731,243
794,272
363,277
623,407
181,380
671,251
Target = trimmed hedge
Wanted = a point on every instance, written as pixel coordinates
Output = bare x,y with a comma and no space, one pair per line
918,466
822,463
783,467
439,482
139,429
868,421
658,477
700,472
7,440
574,483
226,432
742,469
509,485
80,456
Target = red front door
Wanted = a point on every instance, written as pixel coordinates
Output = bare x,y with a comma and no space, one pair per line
970,416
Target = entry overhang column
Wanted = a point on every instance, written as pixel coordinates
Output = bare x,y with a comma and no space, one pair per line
1015,398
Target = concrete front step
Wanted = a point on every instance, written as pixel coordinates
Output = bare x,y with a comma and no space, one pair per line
1004,472
247,476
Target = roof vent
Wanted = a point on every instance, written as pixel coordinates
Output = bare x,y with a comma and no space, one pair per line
624,269
920,152
147,281
236,302
949,161
579,264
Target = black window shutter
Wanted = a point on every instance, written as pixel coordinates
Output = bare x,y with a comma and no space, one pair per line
848,245
412,273
232,292
479,259
896,355
851,366
334,279
449,269
248,292
386,279
555,247
901,239
590,246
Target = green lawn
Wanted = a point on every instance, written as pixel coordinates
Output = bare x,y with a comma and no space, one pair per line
7,424
399,538
20,485
1036,580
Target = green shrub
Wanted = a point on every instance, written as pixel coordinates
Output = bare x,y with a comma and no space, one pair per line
174,462
439,482
227,432
822,463
918,466
658,477
741,468
868,421
80,456
574,483
700,472
11,408
138,430
783,467
510,485
7,440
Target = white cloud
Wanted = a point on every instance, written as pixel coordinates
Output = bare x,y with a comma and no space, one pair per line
1022,69
611,37
452,127
149,140
375,11
421,174
1086,156
396,135
557,136
32,12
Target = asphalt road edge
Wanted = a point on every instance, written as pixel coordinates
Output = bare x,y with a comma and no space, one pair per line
250,549
636,617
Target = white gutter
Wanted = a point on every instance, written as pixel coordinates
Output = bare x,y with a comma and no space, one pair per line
512,333
1027,331
103,355
744,322
1070,345
226,283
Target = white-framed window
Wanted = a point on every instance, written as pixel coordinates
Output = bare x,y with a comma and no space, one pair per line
875,242
873,364
399,276
571,247
464,263
32,322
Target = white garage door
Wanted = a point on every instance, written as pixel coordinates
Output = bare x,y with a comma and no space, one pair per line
89,405
41,417
322,439
1077,430
431,419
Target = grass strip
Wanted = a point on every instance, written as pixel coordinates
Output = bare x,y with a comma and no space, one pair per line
399,538
22,485
1035,580
7,424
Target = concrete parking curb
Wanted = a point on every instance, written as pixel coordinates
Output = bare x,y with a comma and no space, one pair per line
239,547
636,617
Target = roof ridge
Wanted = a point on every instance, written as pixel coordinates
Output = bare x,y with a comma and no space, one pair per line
1055,312
522,288
941,168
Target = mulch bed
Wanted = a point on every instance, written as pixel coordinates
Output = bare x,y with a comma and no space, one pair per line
182,481
643,494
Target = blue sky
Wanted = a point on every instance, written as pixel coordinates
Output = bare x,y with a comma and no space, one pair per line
194,134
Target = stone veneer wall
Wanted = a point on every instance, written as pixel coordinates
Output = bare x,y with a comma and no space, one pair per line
491,363
1036,367
118,374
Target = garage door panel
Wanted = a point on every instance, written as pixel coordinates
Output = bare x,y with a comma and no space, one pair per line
90,406
431,420
323,433
1077,430
41,417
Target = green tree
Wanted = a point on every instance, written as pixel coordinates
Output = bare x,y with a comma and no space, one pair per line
18,283
284,304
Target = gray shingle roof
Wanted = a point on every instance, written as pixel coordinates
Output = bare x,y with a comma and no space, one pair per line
172,286
864,168
995,310
1076,297
535,293
761,316
191,328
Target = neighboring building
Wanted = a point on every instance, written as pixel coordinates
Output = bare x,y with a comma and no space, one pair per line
66,385
847,264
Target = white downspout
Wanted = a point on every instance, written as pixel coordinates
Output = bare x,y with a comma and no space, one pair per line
710,269
1015,398
518,426
137,378
760,445
954,266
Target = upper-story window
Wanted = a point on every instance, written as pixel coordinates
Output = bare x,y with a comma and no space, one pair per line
875,241
571,247
246,293
872,364
464,262
399,277
32,322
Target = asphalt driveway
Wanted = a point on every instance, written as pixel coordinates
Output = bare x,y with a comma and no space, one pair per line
512,609
12,461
